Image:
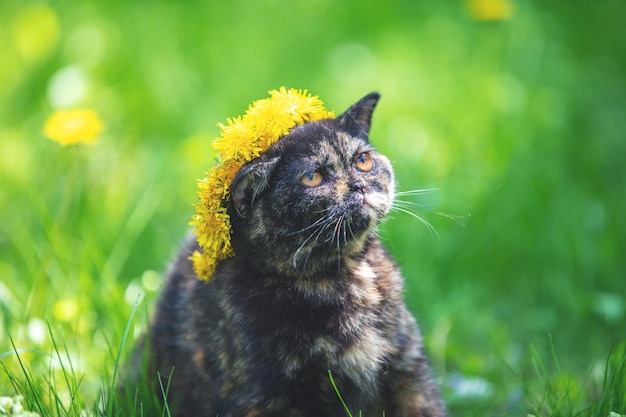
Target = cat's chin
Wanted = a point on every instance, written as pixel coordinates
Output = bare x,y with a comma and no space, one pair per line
375,206
357,245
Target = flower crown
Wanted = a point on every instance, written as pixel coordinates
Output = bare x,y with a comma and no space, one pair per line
242,139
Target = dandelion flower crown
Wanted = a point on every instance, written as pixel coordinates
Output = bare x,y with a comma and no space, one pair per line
242,139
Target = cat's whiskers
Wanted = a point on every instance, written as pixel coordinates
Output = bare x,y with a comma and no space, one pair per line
345,231
340,228
416,192
337,230
398,205
409,204
316,223
352,235
340,223
319,227
408,207
316,233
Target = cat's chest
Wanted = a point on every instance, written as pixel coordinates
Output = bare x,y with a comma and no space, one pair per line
341,331
354,352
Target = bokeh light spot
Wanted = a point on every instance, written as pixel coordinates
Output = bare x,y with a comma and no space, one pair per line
35,32
67,87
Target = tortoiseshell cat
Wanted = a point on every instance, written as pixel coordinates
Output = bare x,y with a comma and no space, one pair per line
310,290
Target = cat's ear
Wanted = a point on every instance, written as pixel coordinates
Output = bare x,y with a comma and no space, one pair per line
250,181
358,118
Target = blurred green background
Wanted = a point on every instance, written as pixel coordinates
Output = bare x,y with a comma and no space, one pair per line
514,110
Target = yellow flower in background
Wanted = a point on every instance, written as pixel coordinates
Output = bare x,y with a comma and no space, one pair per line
243,139
490,9
70,127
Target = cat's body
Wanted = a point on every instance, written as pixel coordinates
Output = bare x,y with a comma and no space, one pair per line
309,290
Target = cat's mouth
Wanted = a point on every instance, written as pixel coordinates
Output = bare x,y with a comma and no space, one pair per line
375,205
364,211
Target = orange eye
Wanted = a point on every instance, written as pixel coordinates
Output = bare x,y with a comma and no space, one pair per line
364,162
312,179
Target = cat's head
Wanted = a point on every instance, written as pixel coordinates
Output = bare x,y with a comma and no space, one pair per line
313,197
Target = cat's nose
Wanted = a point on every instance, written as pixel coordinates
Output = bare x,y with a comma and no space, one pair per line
357,185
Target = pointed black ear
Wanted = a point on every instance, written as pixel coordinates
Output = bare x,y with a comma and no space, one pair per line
358,118
250,181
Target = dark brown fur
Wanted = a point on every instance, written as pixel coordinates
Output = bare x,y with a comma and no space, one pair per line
310,290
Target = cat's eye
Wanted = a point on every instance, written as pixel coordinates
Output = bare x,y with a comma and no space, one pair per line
364,162
312,179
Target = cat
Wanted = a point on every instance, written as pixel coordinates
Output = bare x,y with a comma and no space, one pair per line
310,294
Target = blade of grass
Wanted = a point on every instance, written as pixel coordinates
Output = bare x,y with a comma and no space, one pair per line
165,391
614,385
332,381
109,405
68,374
29,381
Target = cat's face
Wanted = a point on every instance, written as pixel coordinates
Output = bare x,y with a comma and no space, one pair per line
315,196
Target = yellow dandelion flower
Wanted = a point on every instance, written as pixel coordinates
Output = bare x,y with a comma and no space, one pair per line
70,127
237,140
203,265
241,140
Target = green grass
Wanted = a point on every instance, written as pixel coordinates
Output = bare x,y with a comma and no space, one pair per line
57,391
517,123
